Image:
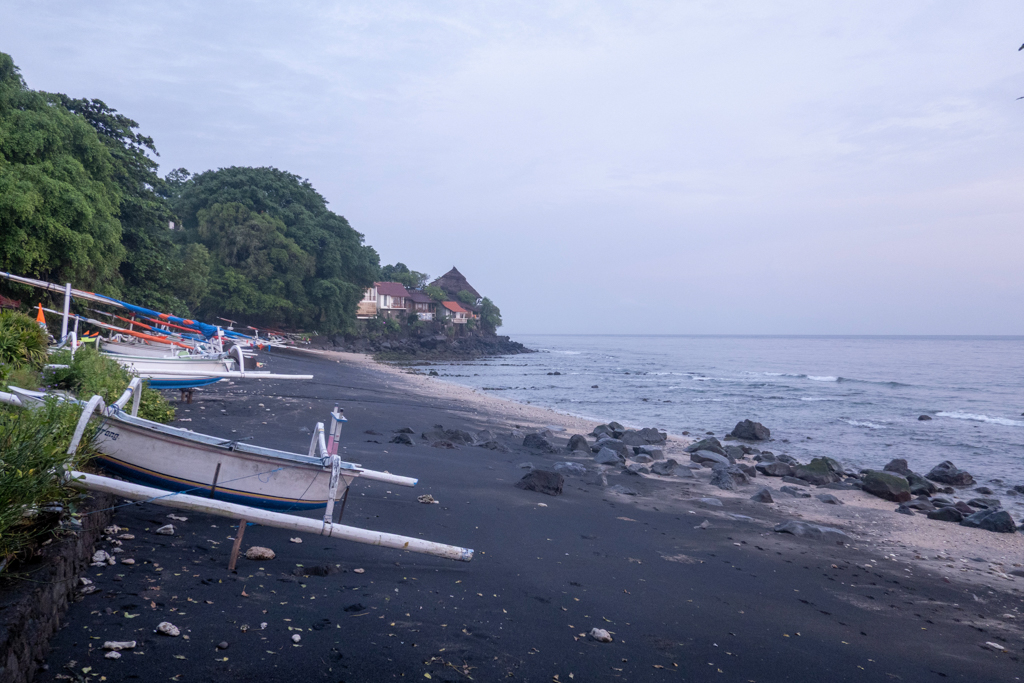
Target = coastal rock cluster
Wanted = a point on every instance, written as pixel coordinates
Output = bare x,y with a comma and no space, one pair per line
438,347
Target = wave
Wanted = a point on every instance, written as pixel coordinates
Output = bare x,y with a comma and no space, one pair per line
818,398
869,425
982,418
825,378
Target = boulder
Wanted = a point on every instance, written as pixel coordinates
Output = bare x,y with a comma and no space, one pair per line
665,468
537,442
600,431
763,495
919,486
542,481
819,471
924,418
946,514
984,490
709,458
1019,488
985,503
904,510
728,477
991,519
607,457
578,442
642,459
402,438
637,469
848,485
828,499
940,502
653,436
948,473
812,531
570,468
774,468
683,472
653,451
899,466
795,492
788,459
921,505
794,480
403,430
964,508
614,444
623,490
643,437
734,452
494,446
886,485
710,444
751,431
747,468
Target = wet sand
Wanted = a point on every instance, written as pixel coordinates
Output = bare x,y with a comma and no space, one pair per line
734,601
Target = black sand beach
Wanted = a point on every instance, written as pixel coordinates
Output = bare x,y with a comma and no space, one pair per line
734,601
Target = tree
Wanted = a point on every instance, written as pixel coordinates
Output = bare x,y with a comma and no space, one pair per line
154,265
279,255
401,273
435,293
58,195
490,316
467,298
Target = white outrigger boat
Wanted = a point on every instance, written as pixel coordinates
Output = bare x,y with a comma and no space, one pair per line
226,477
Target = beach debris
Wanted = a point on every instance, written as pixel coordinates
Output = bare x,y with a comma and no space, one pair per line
111,530
222,645
795,492
607,456
578,442
828,499
168,629
991,519
119,645
101,558
84,581
623,490
749,430
296,638
542,481
714,502
600,635
428,499
258,552
994,646
886,485
542,505
113,654
263,626
812,531
526,465
176,518
948,473
703,525
403,439
359,571
166,530
665,468
570,468
128,561
763,495
295,540
127,537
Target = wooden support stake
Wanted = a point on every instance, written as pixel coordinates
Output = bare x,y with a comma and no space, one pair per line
237,545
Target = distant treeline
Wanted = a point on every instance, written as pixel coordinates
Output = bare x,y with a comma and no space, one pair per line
81,201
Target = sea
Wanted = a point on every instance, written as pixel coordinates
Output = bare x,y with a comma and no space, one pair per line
856,399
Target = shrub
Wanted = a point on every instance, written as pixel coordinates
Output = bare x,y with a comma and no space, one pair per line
22,342
393,326
490,316
90,373
34,444
435,293
467,297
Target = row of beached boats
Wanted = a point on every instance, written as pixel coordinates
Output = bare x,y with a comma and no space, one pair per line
185,469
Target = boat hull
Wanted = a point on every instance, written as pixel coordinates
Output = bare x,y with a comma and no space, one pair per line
178,463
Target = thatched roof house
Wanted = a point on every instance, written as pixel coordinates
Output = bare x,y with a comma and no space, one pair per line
454,282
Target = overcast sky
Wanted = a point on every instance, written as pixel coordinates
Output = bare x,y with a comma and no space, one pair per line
608,167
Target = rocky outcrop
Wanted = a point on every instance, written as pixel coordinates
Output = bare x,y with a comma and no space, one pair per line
578,442
542,481
992,519
819,471
428,343
751,431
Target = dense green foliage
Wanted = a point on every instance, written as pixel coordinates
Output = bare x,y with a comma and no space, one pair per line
280,257
34,444
90,373
401,273
490,316
435,293
58,195
22,343
467,297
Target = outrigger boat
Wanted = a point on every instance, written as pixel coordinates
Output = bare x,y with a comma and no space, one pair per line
227,477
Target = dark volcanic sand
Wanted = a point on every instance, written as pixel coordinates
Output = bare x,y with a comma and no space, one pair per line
734,602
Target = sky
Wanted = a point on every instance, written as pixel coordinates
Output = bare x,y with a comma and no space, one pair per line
607,167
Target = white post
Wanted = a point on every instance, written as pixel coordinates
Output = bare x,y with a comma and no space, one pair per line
67,308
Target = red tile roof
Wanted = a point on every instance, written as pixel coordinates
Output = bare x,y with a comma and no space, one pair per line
391,288
453,307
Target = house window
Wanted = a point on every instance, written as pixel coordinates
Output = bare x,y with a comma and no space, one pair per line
371,295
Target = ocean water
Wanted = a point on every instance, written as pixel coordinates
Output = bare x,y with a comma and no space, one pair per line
856,399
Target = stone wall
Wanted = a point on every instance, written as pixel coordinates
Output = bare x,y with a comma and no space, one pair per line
33,600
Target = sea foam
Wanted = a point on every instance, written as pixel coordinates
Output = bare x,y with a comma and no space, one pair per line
1006,422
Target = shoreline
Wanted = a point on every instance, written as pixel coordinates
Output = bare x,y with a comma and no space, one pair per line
682,585
941,547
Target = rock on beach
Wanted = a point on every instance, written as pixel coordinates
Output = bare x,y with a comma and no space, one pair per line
751,431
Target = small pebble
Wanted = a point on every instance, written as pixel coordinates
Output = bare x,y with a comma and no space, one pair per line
296,637
359,571
128,561
295,540
167,629
222,645
166,530
600,635
113,654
